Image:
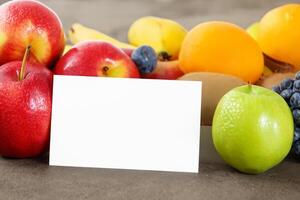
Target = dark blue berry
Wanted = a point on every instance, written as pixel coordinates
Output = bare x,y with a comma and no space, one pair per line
296,134
296,115
295,100
276,89
297,76
296,85
296,148
145,59
286,94
286,84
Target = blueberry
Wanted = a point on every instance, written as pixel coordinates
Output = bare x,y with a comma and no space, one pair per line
286,94
296,148
296,85
295,100
276,89
145,59
297,134
296,115
297,76
286,84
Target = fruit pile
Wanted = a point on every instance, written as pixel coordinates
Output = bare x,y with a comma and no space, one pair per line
33,47
277,35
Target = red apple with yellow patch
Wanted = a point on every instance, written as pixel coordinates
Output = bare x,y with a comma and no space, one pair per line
96,58
25,108
27,22
168,70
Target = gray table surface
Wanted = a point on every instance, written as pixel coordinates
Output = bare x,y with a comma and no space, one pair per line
34,179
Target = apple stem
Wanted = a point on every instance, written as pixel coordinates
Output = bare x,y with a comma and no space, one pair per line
249,85
23,66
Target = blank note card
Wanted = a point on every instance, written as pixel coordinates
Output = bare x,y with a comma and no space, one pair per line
125,123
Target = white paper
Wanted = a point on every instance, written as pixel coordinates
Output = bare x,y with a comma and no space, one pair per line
125,123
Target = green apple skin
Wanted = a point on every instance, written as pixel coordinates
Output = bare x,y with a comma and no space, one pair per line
252,129
253,29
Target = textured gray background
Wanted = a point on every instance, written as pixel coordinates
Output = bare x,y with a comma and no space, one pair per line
34,179
115,16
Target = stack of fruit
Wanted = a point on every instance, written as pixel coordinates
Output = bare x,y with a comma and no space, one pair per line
31,29
32,42
154,47
276,33
252,126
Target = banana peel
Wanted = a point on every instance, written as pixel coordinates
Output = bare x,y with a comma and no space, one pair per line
79,33
67,48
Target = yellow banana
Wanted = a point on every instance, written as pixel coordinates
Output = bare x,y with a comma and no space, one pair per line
67,48
79,33
164,35
252,30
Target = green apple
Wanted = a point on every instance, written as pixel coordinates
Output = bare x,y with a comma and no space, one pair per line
252,129
253,29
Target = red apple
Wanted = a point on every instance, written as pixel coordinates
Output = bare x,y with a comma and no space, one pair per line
27,22
165,70
25,109
128,51
96,58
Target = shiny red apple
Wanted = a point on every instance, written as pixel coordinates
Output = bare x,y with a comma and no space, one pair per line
168,70
28,22
25,109
128,51
96,58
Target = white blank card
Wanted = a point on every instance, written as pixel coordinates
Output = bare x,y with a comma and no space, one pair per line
125,123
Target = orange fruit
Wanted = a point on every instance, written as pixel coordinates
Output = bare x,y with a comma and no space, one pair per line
223,48
279,34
